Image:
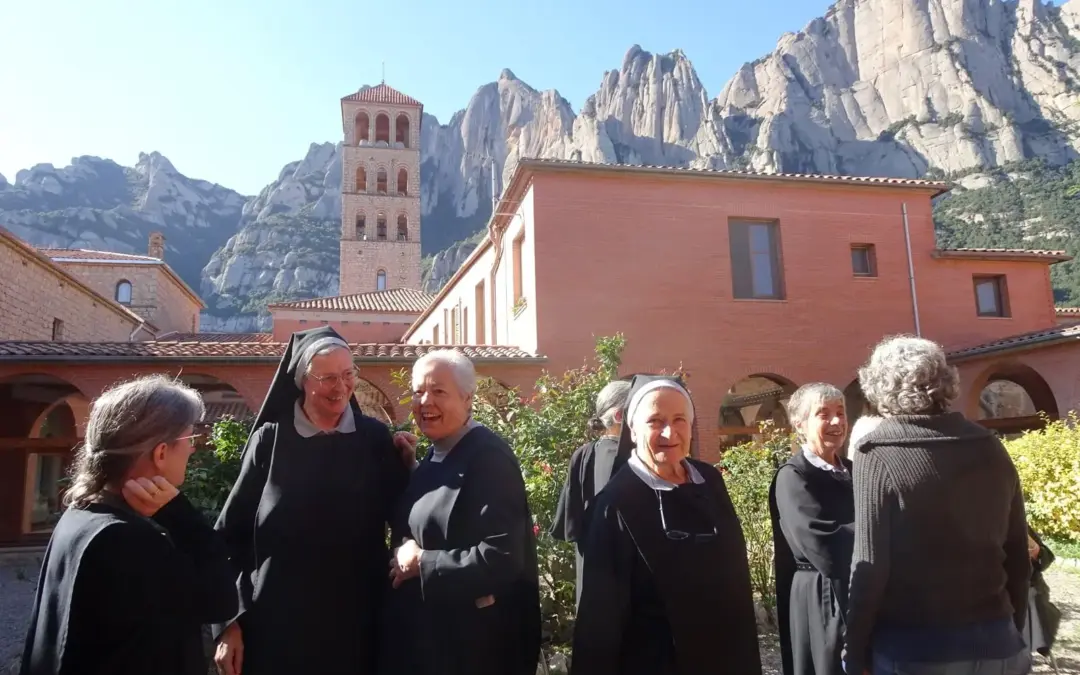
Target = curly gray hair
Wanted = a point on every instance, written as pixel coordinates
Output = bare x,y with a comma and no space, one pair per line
909,376
802,403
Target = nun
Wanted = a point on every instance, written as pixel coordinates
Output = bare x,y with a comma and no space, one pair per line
812,508
666,556
306,521
465,594
591,466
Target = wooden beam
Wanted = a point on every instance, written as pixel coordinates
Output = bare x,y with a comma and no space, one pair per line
57,444
1014,423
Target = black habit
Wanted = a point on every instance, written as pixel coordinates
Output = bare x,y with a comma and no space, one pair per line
306,525
121,594
813,520
651,605
591,467
470,514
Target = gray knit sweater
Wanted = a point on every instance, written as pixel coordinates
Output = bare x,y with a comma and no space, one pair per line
940,531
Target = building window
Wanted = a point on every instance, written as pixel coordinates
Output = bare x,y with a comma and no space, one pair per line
464,325
380,280
362,129
755,260
863,260
402,129
382,128
403,182
435,334
402,228
446,325
479,303
123,292
380,227
380,182
455,327
991,296
361,179
57,330
519,243
361,225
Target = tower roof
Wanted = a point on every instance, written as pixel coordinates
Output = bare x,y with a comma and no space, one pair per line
382,94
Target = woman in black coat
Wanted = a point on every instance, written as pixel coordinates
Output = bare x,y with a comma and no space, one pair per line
813,514
306,521
132,570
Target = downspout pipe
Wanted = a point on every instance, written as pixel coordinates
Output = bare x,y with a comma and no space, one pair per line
911,271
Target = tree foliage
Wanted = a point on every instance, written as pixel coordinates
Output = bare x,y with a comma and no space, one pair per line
212,472
1048,462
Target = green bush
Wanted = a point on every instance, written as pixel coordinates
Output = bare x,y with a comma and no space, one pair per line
544,430
748,471
211,473
1048,461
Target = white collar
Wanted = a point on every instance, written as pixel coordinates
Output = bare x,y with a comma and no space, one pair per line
658,483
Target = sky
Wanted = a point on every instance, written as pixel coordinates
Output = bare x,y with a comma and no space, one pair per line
230,91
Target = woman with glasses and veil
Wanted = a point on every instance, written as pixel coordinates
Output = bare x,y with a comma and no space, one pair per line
666,585
306,520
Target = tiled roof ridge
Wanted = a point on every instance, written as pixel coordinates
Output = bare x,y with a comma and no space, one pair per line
382,93
58,253
1047,335
405,300
1034,251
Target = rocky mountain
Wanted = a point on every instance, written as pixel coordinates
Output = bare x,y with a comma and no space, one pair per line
98,204
882,87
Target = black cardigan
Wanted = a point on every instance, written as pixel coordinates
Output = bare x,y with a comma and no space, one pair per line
123,594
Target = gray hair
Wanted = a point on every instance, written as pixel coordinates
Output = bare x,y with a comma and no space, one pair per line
909,376
608,402
125,421
802,403
460,365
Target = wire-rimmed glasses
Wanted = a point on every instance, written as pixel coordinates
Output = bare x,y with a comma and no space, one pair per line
349,377
682,535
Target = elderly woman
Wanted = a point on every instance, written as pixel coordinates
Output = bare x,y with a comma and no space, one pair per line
591,466
940,572
465,596
306,521
666,588
132,570
813,515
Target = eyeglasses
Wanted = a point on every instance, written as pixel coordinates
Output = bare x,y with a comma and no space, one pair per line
331,380
681,535
192,438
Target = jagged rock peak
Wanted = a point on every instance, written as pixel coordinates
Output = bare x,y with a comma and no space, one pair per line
507,74
154,161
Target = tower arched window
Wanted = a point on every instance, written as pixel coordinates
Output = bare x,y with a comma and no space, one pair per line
382,128
361,224
402,228
361,178
380,227
123,292
403,181
380,280
362,128
401,125
380,182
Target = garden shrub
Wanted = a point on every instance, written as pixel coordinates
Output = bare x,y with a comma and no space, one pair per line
1048,462
212,472
748,471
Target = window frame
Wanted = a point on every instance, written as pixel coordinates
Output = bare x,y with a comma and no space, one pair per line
871,261
130,292
742,256
1001,295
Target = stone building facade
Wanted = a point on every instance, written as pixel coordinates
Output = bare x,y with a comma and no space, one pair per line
380,191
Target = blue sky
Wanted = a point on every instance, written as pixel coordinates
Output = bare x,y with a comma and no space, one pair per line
232,90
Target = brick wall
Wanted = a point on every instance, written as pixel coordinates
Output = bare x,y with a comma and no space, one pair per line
33,294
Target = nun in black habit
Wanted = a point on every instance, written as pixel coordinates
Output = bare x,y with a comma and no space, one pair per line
306,521
812,508
666,587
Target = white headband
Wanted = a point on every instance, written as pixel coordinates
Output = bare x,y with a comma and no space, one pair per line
639,395
309,353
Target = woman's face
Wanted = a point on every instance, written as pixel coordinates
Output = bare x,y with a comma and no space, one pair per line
661,427
329,383
170,460
825,427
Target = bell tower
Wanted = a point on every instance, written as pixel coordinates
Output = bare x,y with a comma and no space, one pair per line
380,191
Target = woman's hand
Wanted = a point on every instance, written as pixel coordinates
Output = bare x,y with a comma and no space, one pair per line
229,655
405,563
1033,548
406,443
146,496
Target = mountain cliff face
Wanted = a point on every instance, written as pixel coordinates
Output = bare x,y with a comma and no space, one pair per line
98,204
881,87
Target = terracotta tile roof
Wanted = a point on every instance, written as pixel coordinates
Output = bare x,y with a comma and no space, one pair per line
735,173
237,410
382,94
404,300
1023,341
1067,311
1004,254
215,337
226,349
86,255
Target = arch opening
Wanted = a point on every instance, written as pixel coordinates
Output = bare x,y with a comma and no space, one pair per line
751,402
380,182
221,399
380,227
402,227
403,182
373,402
1013,399
361,226
382,128
362,128
361,178
123,292
380,280
401,134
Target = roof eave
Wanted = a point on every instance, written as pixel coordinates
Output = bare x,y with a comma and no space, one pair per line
999,256
980,352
